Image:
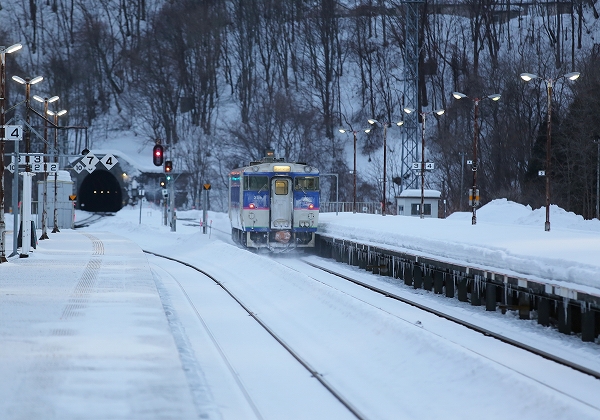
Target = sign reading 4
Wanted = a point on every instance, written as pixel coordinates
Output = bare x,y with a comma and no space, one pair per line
13,132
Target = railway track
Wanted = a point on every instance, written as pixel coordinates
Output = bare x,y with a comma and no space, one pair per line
371,296
485,331
91,219
303,362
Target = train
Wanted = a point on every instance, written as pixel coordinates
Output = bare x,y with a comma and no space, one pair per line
274,204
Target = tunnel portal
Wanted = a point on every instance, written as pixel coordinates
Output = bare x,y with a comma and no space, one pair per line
100,192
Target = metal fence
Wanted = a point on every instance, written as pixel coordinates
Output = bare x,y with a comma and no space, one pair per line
371,207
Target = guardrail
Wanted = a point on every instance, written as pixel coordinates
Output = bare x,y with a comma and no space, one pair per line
371,207
569,310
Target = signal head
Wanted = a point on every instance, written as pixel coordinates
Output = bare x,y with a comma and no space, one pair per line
158,155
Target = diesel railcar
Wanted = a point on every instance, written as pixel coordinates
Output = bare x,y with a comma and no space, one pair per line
274,204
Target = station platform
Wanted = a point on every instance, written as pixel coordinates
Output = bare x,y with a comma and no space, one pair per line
83,334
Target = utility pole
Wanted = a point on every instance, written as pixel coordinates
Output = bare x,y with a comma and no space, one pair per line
3,52
462,179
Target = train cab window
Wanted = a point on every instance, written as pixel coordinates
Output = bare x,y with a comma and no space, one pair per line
281,187
256,183
306,183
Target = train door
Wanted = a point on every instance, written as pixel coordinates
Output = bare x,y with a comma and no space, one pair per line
281,203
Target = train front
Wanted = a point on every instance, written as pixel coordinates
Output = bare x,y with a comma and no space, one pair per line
278,205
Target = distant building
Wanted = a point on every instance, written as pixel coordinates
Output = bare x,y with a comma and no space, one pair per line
64,202
408,203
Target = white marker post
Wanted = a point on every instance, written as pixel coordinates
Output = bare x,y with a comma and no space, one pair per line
26,237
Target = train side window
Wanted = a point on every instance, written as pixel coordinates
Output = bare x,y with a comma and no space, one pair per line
256,182
281,187
306,183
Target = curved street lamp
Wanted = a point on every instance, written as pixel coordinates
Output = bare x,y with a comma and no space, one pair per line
3,52
27,82
385,126
45,101
56,153
549,86
423,114
27,175
474,196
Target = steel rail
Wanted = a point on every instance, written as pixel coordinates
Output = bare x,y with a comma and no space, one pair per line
467,324
318,376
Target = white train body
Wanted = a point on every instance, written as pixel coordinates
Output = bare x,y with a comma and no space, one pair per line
274,204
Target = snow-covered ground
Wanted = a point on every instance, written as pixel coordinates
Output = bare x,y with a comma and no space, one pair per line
429,371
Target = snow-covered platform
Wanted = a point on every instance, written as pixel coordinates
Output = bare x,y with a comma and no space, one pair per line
509,238
83,334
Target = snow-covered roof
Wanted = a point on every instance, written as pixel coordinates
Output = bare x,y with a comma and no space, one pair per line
412,193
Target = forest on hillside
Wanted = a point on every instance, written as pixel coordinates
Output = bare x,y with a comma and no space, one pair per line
218,82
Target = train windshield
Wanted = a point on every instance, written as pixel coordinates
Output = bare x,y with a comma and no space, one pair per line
281,187
306,183
256,182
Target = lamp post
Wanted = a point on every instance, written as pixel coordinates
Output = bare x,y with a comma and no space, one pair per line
3,52
549,86
474,196
27,82
27,175
597,141
141,194
423,114
45,101
344,130
57,153
385,126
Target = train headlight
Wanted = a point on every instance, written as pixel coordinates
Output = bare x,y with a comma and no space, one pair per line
311,206
252,206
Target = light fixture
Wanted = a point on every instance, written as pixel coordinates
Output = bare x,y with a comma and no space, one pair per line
528,76
40,99
13,48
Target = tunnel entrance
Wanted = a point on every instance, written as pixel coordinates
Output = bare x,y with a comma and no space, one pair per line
100,192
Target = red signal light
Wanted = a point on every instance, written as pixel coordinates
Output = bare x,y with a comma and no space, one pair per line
157,155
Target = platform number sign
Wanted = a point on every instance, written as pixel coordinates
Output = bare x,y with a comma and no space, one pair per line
78,167
36,164
13,132
90,160
429,166
109,161
44,167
